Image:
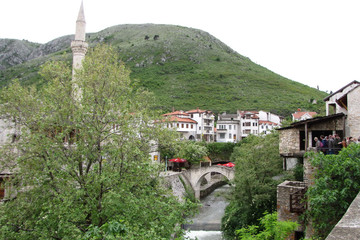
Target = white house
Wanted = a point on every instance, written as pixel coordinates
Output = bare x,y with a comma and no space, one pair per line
193,125
299,115
206,121
234,127
182,123
228,128
249,121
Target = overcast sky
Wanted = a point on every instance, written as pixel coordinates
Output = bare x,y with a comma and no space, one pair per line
315,42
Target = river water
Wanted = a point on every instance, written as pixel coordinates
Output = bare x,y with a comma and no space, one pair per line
206,224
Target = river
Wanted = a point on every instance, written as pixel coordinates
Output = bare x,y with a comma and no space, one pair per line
207,223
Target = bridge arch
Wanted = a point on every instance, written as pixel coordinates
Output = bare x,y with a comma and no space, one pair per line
195,175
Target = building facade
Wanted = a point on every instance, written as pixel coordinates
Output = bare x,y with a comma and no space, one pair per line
342,119
234,127
195,124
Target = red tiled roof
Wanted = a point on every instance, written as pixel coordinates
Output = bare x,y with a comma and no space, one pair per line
267,122
243,113
178,119
298,115
198,111
176,113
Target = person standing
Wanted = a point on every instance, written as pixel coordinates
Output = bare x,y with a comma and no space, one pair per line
331,144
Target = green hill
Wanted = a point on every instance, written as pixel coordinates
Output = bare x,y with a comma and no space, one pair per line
185,68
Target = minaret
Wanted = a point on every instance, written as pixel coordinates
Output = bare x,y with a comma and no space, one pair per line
79,46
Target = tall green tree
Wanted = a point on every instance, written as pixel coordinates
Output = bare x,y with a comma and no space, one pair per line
81,163
337,182
257,162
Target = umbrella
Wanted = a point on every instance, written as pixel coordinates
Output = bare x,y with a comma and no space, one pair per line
178,160
229,164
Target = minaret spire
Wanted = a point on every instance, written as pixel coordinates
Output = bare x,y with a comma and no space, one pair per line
80,24
79,47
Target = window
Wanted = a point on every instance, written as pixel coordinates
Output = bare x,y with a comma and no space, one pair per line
187,125
234,127
255,124
234,136
182,125
230,135
199,127
177,125
247,124
222,135
192,126
222,126
246,131
229,127
192,115
255,132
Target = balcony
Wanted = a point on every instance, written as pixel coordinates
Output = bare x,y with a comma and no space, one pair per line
221,130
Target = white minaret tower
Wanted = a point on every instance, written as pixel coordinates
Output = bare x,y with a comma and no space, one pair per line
79,46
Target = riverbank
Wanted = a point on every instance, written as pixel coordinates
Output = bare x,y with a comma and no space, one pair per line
206,224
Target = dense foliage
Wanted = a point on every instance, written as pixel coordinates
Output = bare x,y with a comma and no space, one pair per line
82,161
257,161
220,151
337,182
270,229
192,151
187,68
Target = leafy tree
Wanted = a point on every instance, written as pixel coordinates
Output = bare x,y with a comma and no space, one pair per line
337,182
82,162
257,161
220,151
192,151
270,229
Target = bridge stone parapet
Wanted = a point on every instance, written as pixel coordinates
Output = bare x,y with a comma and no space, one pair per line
196,175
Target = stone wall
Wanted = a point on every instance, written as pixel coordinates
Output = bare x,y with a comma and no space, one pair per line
172,180
349,226
283,203
353,118
289,141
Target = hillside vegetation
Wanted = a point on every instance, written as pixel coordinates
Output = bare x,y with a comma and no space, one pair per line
185,68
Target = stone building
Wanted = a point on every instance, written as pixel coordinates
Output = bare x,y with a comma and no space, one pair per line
342,118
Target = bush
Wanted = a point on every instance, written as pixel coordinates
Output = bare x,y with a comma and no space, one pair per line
337,182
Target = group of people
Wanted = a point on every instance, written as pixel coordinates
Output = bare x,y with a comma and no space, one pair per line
332,144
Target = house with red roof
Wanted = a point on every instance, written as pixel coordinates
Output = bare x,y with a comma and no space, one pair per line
195,124
299,115
206,124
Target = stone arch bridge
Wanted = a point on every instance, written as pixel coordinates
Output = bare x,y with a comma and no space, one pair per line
196,175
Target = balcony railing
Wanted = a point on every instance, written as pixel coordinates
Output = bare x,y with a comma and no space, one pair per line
221,129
